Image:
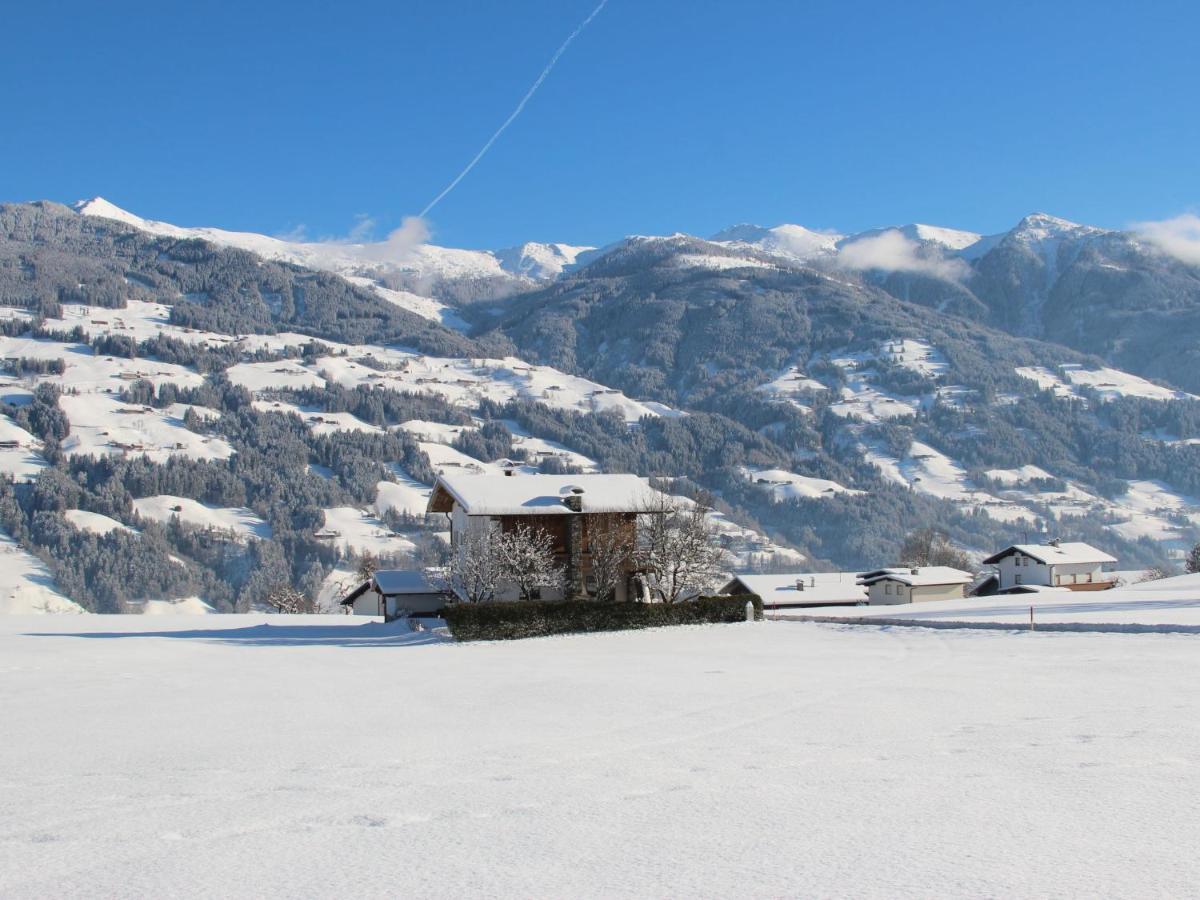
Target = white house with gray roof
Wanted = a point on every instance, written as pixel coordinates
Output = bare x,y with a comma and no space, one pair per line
908,585
1072,565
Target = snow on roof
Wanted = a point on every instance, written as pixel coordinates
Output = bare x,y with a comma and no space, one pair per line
526,495
1055,554
399,581
1036,589
819,588
922,576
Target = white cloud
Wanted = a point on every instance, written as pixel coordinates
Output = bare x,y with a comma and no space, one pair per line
364,227
397,247
297,234
400,243
891,251
1178,237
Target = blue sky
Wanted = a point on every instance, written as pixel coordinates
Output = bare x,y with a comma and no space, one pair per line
661,117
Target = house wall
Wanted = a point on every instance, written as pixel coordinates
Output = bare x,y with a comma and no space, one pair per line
888,593
937,592
413,604
367,604
1076,573
1018,568
902,593
556,526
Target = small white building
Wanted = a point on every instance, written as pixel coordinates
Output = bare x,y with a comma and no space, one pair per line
797,591
905,585
1075,566
392,593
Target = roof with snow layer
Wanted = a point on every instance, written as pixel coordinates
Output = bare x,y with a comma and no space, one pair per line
919,577
1055,554
538,495
820,588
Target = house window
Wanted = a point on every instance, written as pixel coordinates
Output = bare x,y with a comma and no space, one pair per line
1019,577
887,587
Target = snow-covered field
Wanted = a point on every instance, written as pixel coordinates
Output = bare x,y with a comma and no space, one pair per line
238,520
1164,603
1070,378
26,585
223,756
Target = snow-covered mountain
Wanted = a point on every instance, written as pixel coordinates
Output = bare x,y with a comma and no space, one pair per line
1046,277
793,242
404,259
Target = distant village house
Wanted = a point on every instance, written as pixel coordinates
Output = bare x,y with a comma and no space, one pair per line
908,585
1059,564
800,591
393,593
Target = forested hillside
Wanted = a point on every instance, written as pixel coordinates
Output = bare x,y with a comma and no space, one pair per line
185,420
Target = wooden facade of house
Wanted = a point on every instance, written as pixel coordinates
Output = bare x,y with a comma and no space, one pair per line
572,509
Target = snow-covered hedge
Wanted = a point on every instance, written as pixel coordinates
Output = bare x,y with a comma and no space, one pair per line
537,618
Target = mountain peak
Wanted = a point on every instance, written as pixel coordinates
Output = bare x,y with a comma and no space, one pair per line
793,241
101,208
948,238
539,261
1041,225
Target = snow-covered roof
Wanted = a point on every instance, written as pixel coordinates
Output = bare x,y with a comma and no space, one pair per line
820,588
537,495
399,581
919,577
1035,589
1055,554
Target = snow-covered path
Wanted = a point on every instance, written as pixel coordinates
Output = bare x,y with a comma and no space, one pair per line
217,758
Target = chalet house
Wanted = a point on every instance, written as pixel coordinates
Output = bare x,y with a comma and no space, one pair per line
393,593
1074,566
904,585
567,507
801,590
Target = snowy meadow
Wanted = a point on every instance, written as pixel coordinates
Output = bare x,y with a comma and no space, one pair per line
233,756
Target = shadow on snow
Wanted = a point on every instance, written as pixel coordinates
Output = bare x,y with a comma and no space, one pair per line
368,634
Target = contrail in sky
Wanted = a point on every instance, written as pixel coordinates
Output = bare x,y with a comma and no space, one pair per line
516,112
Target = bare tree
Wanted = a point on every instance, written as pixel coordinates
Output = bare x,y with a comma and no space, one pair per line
610,538
678,547
1154,573
475,567
929,547
287,600
529,560
368,565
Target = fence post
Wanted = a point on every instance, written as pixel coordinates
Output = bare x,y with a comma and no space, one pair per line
749,610
1031,618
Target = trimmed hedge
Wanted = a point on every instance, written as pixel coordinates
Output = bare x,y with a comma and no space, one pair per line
502,621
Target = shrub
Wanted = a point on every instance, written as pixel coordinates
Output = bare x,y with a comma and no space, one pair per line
538,618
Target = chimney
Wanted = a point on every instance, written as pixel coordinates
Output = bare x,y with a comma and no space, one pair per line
574,500
1057,542
799,584
915,572
812,581
508,473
